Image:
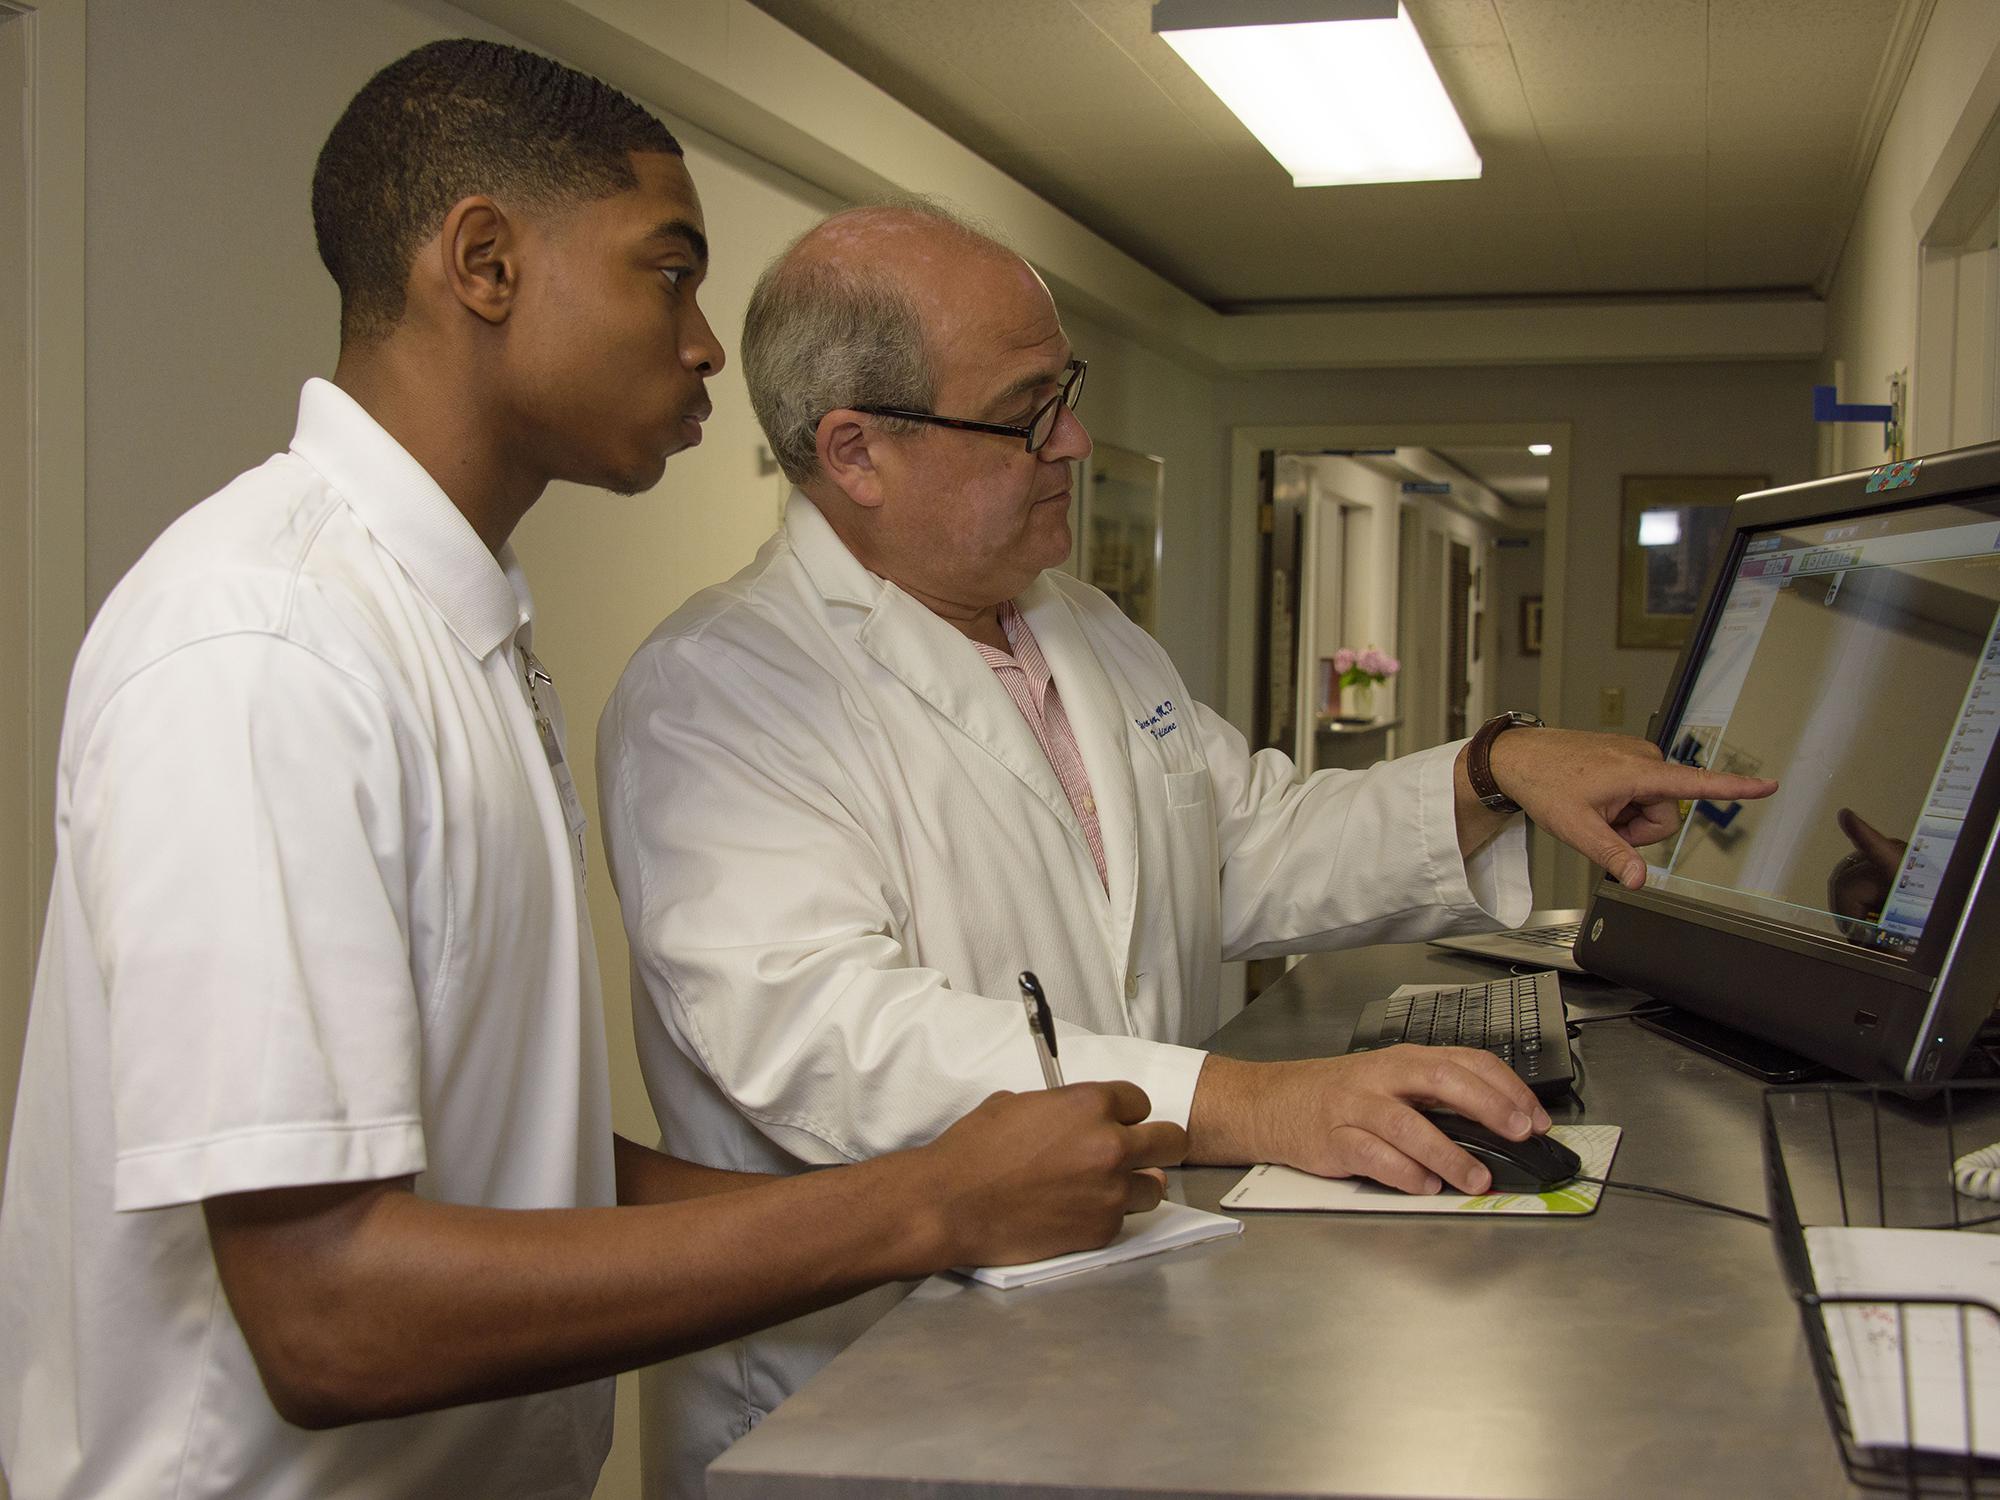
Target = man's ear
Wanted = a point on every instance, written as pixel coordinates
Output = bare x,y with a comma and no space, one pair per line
849,446
479,251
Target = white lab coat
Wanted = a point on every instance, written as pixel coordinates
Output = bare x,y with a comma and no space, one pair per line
836,842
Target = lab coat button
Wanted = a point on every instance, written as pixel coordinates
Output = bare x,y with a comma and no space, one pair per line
1132,988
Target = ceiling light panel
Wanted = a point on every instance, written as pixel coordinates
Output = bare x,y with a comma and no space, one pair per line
1340,93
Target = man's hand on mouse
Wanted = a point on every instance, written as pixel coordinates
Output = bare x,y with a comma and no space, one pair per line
1358,1115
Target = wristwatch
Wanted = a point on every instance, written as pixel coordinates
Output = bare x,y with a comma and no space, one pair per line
1479,759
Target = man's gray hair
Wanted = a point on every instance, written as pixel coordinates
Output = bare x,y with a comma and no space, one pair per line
820,336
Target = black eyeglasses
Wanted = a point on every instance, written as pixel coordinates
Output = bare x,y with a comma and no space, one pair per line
1040,428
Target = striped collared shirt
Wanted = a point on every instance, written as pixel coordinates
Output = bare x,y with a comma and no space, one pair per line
1025,676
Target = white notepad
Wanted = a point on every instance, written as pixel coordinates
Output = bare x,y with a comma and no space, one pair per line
1284,1188
1932,1362
1167,1227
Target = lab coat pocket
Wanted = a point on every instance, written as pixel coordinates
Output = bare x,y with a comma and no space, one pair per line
1191,852
1188,788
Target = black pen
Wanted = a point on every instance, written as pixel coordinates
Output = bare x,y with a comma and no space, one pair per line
1042,1027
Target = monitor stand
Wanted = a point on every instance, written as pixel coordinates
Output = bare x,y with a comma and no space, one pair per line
1748,1054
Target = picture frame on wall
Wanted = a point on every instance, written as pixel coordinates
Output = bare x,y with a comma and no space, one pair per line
1531,625
1118,536
1672,532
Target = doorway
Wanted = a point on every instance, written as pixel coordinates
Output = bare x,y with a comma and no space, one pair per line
1369,554
1955,395
1411,549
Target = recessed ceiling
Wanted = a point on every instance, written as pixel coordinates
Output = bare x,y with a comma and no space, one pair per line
1631,146
1510,471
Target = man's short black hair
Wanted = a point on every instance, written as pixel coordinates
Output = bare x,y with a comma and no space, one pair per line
447,121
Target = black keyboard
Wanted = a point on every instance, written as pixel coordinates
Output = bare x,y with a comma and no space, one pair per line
1562,935
1519,1020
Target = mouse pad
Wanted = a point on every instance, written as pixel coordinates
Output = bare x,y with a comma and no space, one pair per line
1285,1188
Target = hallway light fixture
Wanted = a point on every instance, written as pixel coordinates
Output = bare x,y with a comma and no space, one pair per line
1339,91
1541,450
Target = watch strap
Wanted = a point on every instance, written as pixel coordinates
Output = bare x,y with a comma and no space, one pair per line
1479,759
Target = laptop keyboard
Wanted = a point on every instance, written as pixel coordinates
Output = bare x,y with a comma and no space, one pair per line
1519,1020
1562,935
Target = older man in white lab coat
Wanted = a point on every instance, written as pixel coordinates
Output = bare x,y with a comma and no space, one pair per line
849,794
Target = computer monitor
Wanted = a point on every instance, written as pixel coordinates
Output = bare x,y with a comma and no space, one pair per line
1849,645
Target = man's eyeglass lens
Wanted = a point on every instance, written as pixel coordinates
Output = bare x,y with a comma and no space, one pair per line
1042,426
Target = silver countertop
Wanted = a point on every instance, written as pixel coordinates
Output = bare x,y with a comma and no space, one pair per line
1647,1350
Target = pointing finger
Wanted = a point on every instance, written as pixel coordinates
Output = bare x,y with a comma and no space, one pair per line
1870,840
1670,779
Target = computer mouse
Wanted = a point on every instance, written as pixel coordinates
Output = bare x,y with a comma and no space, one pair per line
1535,1165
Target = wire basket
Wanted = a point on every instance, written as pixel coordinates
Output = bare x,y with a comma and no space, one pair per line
1905,1342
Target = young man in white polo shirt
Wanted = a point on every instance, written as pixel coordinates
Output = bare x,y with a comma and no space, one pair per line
314,1102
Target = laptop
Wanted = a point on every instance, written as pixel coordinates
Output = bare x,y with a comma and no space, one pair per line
1547,940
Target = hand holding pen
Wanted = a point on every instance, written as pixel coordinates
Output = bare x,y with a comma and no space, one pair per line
1041,1026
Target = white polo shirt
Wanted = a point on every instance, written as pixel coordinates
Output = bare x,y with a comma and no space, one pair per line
317,917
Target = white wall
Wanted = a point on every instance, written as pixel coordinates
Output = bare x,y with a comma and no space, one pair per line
17,801
1872,304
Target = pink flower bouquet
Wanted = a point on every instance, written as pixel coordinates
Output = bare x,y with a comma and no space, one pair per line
1364,668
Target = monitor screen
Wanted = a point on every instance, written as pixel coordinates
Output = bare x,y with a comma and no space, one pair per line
1858,662
1849,647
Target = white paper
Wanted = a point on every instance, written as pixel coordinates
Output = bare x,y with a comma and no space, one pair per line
1167,1227
1946,1347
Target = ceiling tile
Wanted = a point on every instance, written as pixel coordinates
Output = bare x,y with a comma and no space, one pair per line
1044,55
907,65
1487,93
1614,183
1836,44
1777,245
1562,43
1782,127
1514,254
1457,23
1172,76
1342,274
1640,252
1116,155
1638,117
1747,178
1514,181
1149,216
